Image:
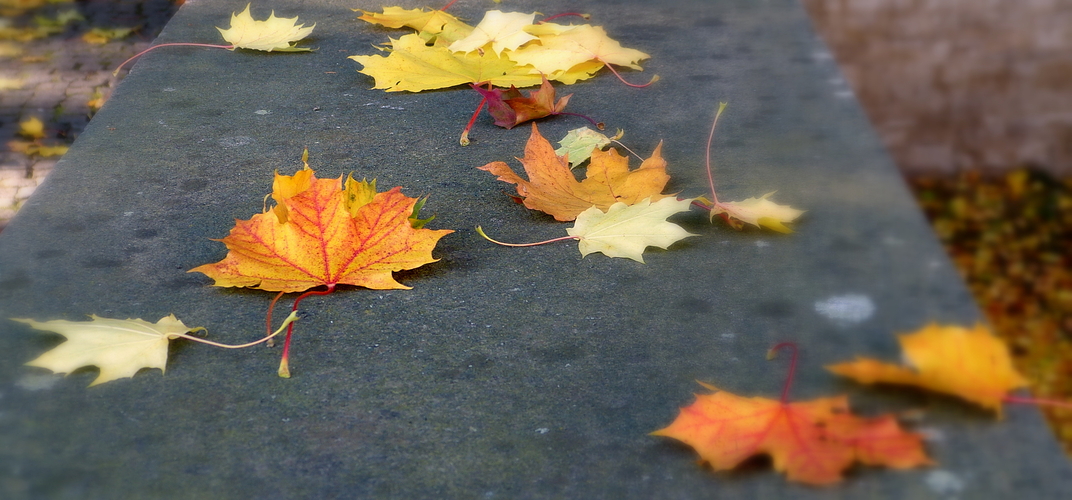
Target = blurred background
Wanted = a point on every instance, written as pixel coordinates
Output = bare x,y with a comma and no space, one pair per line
973,99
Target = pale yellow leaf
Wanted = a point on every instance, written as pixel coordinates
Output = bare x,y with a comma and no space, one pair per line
555,53
626,230
503,30
119,348
759,212
274,34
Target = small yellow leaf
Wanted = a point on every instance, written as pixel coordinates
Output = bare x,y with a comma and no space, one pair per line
273,34
100,36
760,212
626,230
47,151
970,363
434,22
32,128
119,348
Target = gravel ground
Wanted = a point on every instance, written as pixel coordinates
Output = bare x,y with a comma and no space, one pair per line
60,79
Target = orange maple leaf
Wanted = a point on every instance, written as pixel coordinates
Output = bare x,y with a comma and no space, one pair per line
552,188
970,363
812,441
322,232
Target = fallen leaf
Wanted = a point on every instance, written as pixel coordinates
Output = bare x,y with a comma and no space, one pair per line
45,151
322,232
100,36
563,49
579,143
510,108
32,128
96,102
503,30
426,22
119,348
627,230
413,66
552,188
11,83
760,212
811,441
274,34
970,363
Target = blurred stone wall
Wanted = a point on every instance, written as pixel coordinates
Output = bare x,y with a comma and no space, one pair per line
953,85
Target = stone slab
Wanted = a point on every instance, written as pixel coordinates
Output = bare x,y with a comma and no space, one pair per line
503,373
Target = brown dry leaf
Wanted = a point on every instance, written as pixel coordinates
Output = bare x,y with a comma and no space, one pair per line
552,188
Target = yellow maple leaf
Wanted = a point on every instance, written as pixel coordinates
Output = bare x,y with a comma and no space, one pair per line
428,22
559,51
119,348
970,363
503,30
760,212
274,34
627,230
413,66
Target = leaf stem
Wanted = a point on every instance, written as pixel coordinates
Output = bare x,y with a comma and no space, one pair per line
792,366
447,6
464,141
564,14
284,365
154,47
1037,401
268,317
616,141
710,139
598,125
622,79
286,323
480,231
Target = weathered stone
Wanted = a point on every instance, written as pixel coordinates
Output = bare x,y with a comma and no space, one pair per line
503,372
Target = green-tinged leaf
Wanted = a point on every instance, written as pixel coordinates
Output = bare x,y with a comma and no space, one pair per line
580,142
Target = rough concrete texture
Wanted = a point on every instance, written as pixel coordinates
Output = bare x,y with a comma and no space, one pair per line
953,85
504,372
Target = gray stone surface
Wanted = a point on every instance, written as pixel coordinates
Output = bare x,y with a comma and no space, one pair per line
503,373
